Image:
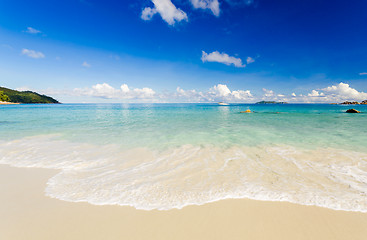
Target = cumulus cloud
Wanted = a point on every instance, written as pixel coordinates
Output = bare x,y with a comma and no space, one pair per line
344,92
336,93
148,13
315,93
104,90
186,96
217,93
166,9
213,5
171,14
32,30
268,93
220,90
86,65
221,58
32,53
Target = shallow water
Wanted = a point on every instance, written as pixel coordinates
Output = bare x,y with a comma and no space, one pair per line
164,156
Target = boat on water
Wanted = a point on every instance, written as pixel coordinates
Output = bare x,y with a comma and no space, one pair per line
223,103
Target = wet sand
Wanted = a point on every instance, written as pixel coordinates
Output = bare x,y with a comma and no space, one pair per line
26,213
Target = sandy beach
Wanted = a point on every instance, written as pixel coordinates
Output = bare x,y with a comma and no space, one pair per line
7,103
26,213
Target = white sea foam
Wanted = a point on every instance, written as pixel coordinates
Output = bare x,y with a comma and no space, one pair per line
188,175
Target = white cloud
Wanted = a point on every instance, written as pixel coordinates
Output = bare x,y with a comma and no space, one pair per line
363,73
220,90
186,96
32,53
171,14
336,93
24,88
315,93
32,30
343,91
86,65
148,13
221,58
268,93
213,5
217,93
242,94
166,9
250,60
104,90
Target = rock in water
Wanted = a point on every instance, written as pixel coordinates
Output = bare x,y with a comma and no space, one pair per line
352,111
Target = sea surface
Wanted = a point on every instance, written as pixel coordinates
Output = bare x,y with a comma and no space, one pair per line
165,156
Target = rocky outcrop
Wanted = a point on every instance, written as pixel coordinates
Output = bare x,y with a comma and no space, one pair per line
349,103
353,103
352,111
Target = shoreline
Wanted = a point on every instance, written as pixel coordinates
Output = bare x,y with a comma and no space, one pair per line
7,103
23,205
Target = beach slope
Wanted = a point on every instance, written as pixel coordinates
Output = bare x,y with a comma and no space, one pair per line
27,214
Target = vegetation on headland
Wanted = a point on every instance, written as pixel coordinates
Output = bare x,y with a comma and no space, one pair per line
271,102
3,97
14,96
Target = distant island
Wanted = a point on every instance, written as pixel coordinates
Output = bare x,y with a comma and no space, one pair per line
271,102
9,96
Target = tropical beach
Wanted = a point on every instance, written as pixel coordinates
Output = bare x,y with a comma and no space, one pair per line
169,156
183,119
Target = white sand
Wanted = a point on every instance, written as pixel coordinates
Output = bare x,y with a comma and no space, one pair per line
7,103
27,214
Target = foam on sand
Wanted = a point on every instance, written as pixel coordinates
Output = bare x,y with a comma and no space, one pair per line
194,175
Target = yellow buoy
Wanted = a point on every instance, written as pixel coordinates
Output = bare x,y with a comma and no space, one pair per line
247,111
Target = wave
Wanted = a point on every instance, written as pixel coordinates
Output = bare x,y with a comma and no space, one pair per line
193,175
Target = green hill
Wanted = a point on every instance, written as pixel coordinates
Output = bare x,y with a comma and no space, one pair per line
9,95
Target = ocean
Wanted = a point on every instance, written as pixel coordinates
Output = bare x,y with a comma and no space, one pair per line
166,156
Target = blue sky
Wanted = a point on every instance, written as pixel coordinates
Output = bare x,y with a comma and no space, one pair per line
85,50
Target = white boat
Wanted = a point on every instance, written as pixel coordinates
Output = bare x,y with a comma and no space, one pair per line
223,104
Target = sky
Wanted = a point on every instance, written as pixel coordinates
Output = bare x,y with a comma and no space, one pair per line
185,50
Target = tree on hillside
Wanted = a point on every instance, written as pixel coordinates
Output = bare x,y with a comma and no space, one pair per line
3,97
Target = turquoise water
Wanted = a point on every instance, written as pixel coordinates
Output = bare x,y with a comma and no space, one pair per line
166,125
164,156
